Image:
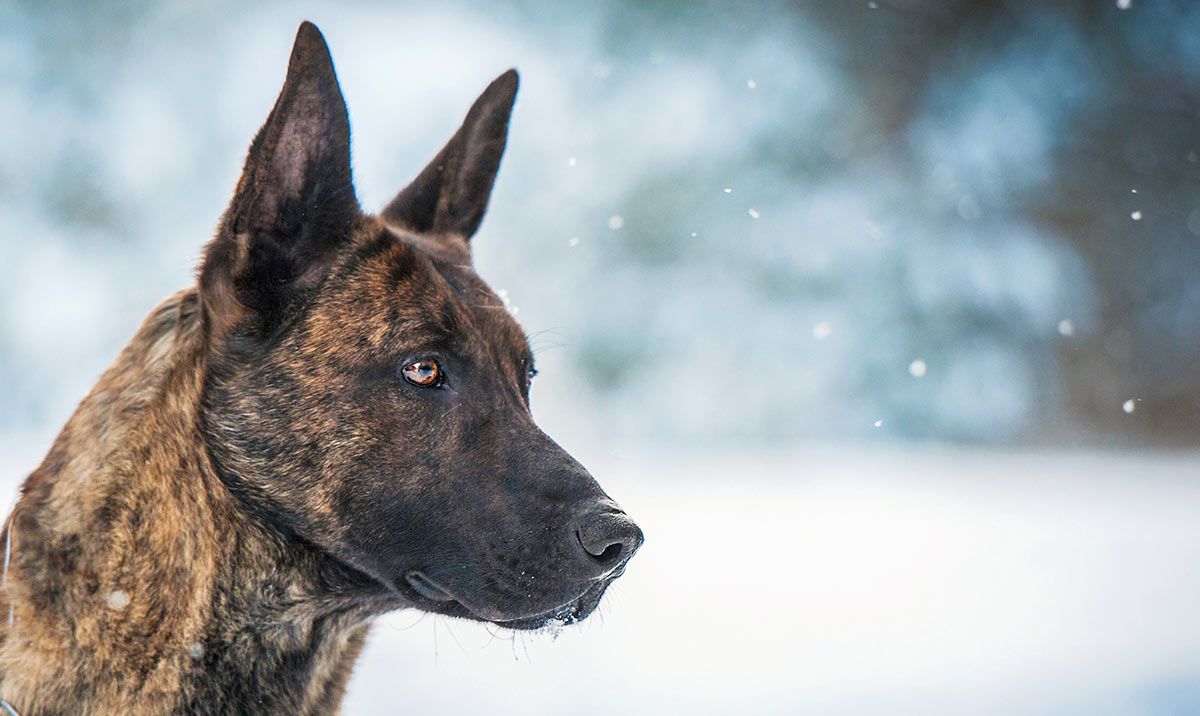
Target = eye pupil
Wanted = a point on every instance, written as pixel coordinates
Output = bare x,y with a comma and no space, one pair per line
424,372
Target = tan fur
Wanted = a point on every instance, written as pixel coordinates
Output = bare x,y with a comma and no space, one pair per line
132,452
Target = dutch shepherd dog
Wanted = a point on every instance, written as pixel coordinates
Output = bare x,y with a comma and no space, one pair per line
331,424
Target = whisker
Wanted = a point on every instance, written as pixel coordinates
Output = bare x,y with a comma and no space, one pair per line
450,631
543,347
435,644
8,530
494,633
420,619
456,406
536,334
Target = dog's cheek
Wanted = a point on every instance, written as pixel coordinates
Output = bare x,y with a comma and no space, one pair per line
383,524
272,435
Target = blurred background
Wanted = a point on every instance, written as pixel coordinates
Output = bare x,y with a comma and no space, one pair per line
883,317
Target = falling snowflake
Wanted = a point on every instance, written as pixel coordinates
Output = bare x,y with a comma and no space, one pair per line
573,241
879,423
1136,215
751,84
615,222
917,368
822,330
753,213
1129,405
1066,328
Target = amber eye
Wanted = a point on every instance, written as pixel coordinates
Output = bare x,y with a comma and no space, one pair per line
423,372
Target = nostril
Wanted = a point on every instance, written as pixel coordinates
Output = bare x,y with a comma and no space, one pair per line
605,556
608,537
610,553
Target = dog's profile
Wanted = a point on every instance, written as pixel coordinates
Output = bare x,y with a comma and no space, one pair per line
332,424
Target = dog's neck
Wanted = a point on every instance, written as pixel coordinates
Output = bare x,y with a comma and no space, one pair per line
238,619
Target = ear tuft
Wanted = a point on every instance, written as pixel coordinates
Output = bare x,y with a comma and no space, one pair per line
451,194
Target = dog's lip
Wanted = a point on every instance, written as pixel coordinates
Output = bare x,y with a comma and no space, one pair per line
571,611
434,592
428,588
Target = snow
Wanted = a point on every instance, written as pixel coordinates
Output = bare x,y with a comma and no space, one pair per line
917,368
1129,405
118,599
846,581
615,222
1136,215
1066,327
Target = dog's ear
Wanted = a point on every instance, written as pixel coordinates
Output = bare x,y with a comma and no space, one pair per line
449,196
294,205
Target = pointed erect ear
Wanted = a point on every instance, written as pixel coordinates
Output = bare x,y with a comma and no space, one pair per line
294,205
451,194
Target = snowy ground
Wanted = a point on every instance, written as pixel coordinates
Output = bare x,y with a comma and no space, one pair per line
849,581
839,582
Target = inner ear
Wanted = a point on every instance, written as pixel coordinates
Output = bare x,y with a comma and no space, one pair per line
294,205
450,195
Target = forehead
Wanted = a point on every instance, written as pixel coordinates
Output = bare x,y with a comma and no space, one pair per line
401,291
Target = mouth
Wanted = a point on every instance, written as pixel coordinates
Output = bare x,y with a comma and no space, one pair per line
436,598
427,588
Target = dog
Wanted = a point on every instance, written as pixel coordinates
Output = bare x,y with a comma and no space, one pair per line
332,424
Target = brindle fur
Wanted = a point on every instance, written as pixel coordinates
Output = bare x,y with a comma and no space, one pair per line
251,482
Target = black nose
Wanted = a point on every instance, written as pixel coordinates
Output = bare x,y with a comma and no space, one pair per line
608,537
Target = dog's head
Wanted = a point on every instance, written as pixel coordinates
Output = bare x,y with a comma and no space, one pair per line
368,394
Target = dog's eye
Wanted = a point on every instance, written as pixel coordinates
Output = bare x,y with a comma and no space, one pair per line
532,372
423,372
